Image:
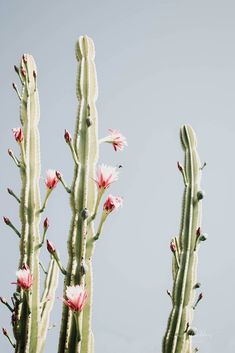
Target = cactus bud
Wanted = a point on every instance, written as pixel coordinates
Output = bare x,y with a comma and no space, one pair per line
18,134
200,195
67,136
10,152
179,166
192,331
172,246
7,220
23,71
24,58
58,174
46,223
85,213
34,74
4,331
198,232
16,69
50,247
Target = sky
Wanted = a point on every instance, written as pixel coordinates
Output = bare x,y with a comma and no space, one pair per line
160,64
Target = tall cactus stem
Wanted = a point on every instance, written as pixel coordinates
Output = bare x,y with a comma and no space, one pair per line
176,340
83,196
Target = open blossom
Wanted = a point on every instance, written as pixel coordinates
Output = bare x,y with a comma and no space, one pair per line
117,139
106,175
51,179
24,278
18,133
112,203
76,298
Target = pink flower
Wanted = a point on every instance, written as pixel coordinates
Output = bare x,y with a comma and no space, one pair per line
18,133
105,176
76,298
24,278
112,203
51,179
117,139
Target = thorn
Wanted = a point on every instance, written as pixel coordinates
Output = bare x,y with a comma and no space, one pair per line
198,300
203,166
197,285
192,331
120,166
200,195
169,293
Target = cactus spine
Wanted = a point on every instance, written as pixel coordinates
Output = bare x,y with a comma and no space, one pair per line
27,326
83,196
185,248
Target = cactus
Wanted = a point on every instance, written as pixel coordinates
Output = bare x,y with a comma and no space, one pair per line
76,335
30,316
185,252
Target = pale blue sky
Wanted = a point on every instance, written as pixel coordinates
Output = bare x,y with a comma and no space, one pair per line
160,64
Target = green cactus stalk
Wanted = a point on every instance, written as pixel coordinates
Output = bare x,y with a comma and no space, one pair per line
28,318
178,337
83,198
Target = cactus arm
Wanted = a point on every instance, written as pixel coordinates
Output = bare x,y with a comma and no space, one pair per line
27,326
83,191
47,301
176,339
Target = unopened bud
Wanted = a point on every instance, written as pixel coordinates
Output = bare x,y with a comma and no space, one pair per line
192,331
50,247
179,166
14,85
85,213
200,195
23,71
4,331
168,292
46,223
16,69
198,232
88,121
173,246
7,220
10,152
67,136
58,174
34,74
24,58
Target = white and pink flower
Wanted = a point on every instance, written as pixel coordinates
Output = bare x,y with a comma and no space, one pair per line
18,134
24,278
51,179
106,175
76,298
116,139
112,203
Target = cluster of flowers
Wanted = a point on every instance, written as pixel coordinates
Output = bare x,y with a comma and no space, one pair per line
76,296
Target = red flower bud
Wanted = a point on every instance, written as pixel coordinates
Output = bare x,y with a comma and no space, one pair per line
6,220
50,247
173,246
67,136
46,223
